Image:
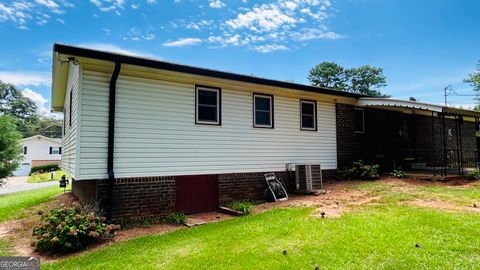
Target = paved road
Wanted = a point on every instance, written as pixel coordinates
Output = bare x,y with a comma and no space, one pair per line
19,183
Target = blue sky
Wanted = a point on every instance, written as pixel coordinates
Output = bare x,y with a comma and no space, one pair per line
423,46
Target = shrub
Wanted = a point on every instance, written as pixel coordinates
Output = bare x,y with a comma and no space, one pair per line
45,168
70,228
473,175
241,206
359,170
176,218
399,174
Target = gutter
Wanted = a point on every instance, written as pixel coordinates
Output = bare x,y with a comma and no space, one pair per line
111,138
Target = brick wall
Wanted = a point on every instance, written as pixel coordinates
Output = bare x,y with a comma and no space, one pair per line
240,186
85,190
155,196
139,197
349,143
45,162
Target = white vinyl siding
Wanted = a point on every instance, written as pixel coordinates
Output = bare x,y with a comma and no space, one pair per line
156,134
94,125
69,146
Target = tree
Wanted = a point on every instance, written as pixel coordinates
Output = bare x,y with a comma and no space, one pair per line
10,148
12,102
474,79
366,80
328,74
49,127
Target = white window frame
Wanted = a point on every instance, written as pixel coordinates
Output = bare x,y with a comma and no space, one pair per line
53,150
314,103
363,121
270,97
218,105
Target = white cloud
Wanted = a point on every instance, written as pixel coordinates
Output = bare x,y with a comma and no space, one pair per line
30,78
183,42
270,48
109,5
137,34
21,12
38,99
151,2
263,18
309,34
264,27
216,4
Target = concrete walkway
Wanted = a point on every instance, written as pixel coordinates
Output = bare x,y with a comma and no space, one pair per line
19,183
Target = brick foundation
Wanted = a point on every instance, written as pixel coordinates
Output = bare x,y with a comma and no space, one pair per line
155,196
45,162
85,191
139,197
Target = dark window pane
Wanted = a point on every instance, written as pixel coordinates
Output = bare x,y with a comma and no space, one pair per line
262,118
262,103
207,97
307,108
307,122
206,113
358,121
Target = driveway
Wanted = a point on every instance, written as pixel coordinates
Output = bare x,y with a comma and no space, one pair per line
19,183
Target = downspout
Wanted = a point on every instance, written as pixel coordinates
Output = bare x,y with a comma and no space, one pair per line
111,138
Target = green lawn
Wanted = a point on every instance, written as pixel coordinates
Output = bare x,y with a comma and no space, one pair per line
45,177
382,235
12,206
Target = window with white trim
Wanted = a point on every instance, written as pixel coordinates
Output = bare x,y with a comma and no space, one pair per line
308,115
55,150
263,111
207,105
359,120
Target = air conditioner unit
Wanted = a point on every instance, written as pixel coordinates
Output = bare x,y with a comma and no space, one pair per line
308,177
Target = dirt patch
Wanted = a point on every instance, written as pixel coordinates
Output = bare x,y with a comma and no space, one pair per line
339,199
442,205
7,229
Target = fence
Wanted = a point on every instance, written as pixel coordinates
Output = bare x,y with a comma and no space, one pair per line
441,162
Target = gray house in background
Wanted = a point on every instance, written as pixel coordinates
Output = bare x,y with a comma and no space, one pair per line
147,137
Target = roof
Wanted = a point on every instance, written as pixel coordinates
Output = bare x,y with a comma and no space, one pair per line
56,140
415,105
157,64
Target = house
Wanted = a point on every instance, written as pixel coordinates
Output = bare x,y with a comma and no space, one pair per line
145,137
39,150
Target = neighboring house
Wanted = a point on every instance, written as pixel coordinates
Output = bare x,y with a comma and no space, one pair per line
146,137
39,150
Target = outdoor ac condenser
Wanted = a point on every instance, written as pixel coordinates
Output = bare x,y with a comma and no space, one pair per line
308,177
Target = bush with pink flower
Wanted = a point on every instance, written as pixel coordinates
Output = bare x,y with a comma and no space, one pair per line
70,228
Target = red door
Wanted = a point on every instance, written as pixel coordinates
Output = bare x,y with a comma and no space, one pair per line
196,193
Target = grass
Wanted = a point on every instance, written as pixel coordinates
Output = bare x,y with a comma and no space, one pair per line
377,236
6,245
45,177
13,206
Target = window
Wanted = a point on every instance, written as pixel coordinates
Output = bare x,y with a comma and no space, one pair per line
55,150
70,107
24,150
308,115
207,107
359,120
263,111
64,121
